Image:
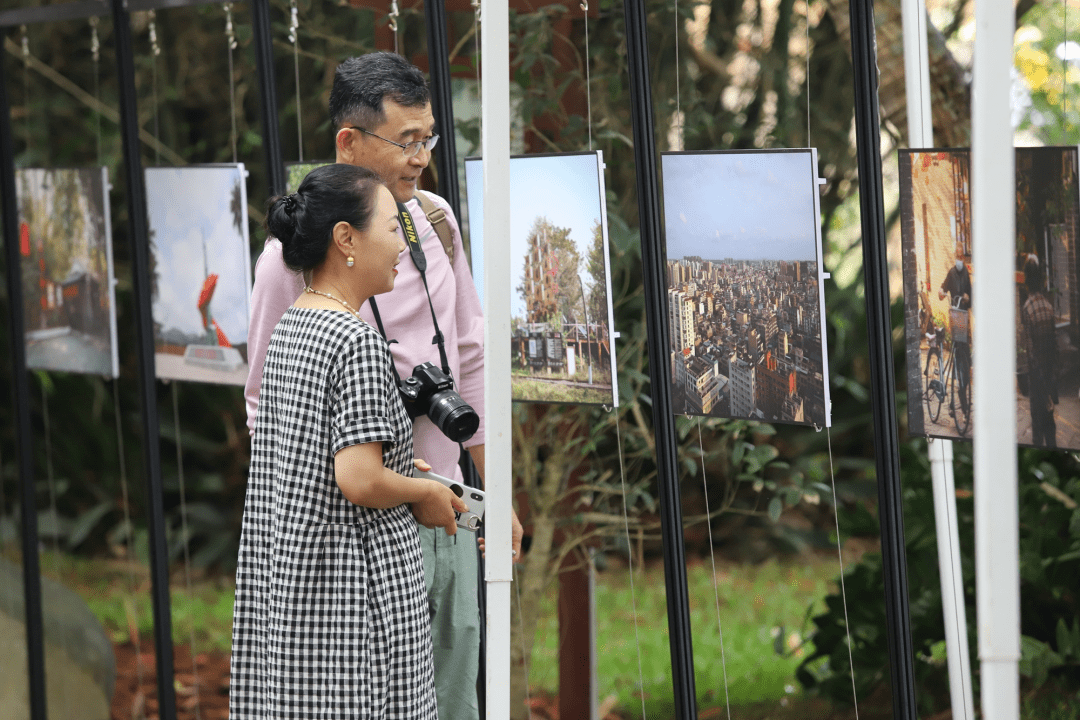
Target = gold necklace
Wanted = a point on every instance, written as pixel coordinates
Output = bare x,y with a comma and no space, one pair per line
335,298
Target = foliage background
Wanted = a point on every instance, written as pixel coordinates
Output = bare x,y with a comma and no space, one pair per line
737,74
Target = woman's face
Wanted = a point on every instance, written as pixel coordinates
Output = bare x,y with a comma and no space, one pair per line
380,244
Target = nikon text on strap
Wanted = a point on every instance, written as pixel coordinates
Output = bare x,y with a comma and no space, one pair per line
420,261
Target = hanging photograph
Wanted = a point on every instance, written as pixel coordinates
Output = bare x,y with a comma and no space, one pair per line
295,172
935,220
562,326
745,285
201,272
65,242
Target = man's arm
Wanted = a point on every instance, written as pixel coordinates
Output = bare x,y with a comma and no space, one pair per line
274,290
517,532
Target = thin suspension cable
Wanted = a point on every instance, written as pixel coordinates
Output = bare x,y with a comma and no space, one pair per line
524,649
476,34
49,473
230,37
26,90
843,589
630,564
679,117
95,52
294,38
806,78
954,573
186,542
394,14
155,50
588,78
129,533
712,559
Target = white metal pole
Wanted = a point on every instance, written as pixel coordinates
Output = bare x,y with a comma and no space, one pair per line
495,114
993,206
954,612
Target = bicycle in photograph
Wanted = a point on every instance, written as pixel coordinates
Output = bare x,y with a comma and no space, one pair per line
948,371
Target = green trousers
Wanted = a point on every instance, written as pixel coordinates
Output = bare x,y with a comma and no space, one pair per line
450,569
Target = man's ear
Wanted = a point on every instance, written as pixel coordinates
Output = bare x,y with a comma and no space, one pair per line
345,142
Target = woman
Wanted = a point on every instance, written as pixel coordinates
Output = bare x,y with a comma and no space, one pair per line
331,617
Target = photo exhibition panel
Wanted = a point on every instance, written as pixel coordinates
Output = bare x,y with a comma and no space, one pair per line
935,224
201,268
562,341
745,291
65,244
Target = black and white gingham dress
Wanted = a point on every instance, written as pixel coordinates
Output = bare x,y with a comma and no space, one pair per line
331,616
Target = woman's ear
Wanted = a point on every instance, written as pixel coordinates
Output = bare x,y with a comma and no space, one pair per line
344,239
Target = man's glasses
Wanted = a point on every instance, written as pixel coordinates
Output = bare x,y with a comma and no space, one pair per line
408,149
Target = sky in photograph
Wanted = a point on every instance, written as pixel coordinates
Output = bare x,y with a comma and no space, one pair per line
563,188
745,206
193,234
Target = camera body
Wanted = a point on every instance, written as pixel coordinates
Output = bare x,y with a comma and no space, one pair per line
472,518
429,391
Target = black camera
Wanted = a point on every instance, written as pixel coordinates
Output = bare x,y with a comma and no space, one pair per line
430,391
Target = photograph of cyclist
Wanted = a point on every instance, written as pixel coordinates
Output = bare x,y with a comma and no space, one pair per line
935,220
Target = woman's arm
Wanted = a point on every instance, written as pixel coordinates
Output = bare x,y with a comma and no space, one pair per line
364,481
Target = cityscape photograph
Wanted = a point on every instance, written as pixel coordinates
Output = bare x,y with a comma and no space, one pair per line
744,286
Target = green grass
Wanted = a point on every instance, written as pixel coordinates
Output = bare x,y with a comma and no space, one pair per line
759,607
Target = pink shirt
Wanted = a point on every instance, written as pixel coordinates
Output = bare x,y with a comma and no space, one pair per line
407,319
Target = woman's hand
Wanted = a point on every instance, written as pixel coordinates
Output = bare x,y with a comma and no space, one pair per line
436,509
421,465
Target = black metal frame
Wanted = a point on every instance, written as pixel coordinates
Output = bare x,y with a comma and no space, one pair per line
31,565
882,377
656,317
442,104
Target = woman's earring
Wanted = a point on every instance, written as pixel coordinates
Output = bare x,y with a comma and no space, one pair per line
349,262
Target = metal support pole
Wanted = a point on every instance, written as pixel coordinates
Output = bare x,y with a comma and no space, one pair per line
264,55
656,316
442,103
35,642
882,378
144,327
993,306
498,572
921,134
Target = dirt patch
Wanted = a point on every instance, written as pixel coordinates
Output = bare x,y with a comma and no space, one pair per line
200,695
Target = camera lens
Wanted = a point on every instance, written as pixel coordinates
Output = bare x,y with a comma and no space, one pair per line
453,416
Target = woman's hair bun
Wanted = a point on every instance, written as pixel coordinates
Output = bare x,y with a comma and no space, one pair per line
304,220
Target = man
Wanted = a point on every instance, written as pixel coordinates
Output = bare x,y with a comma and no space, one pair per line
381,113
1040,344
957,282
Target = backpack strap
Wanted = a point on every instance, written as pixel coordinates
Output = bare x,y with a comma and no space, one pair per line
437,217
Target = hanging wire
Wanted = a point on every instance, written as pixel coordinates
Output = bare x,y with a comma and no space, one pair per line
679,128
630,563
294,38
712,559
186,542
476,34
806,78
394,14
26,85
843,589
129,534
588,79
230,36
95,52
524,648
155,50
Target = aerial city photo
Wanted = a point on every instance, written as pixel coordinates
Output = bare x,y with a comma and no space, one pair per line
744,286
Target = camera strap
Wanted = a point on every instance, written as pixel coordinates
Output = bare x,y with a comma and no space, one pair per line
420,261
382,331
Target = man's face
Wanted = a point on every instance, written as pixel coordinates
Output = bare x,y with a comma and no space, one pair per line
402,125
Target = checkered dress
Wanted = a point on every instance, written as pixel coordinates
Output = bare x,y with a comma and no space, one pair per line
331,616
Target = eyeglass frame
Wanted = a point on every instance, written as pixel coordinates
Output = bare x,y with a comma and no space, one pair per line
427,143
